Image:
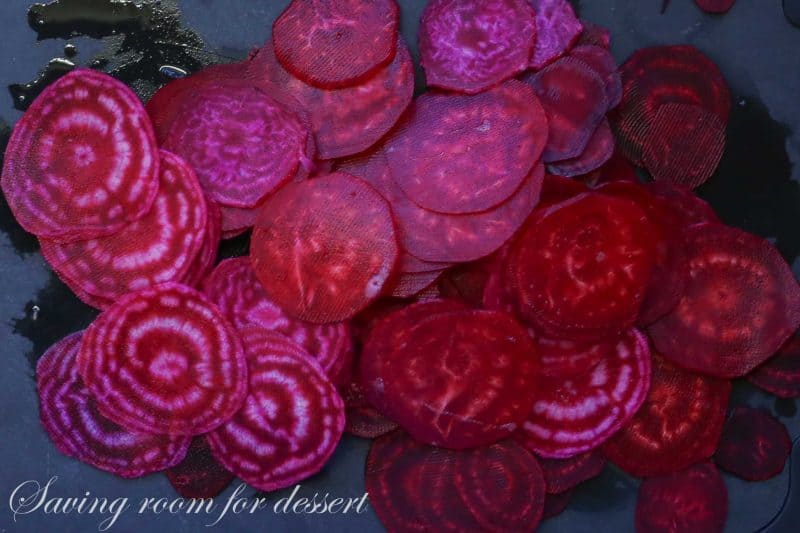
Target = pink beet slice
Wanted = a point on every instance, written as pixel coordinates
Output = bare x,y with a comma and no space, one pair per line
471,45
754,445
598,150
577,414
561,475
291,420
164,360
207,256
82,162
780,375
71,418
695,499
715,6
159,247
335,43
557,29
603,63
199,475
362,419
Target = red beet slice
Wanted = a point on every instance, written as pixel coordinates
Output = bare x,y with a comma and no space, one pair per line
695,499
337,43
406,285
581,267
363,420
164,360
573,96
577,414
598,150
557,28
780,375
686,207
199,475
471,45
207,256
741,304
69,415
618,168
561,475
445,137
603,63
557,189
715,6
410,264
159,247
458,380
82,162
467,282
754,445
555,504
562,358
678,425
291,420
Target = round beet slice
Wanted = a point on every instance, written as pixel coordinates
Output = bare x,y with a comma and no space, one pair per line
562,358
604,64
598,150
207,256
741,304
678,425
715,6
457,380
780,375
324,248
471,45
164,360
159,247
69,415
557,29
433,154
577,414
557,189
199,475
685,207
335,43
695,499
754,445
561,475
363,420
291,420
82,162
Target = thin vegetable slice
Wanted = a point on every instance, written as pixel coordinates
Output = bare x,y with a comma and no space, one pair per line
598,150
207,256
561,475
199,475
362,419
715,6
557,29
754,445
780,375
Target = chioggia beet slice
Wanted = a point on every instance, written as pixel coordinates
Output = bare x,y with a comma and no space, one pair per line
754,445
207,256
362,419
291,420
69,415
561,475
557,29
562,358
335,43
741,304
159,247
577,414
471,45
164,360
82,162
780,375
324,248
695,499
598,150
678,425
199,475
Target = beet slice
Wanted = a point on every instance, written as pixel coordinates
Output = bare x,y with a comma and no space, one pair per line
599,58
159,247
406,285
82,162
741,304
562,358
594,35
618,168
598,150
715,6
207,256
237,220
454,379
678,425
291,420
695,499
581,267
362,419
411,264
780,375
69,415
471,45
561,475
577,414
199,475
337,43
685,206
557,189
434,153
468,281
557,29
555,504
164,360
754,445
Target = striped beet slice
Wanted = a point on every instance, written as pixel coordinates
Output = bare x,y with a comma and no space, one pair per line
561,475
291,420
159,247
754,446
164,360
207,256
199,475
82,162
578,414
71,418
562,358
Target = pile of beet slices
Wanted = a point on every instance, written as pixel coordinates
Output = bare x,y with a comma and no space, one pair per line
478,277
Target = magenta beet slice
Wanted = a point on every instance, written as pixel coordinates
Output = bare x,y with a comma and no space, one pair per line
598,150
562,358
754,445
362,419
577,414
235,289
199,475
159,247
678,425
237,220
69,415
343,247
555,504
434,152
685,206
335,43
780,375
471,45
82,162
557,29
561,475
603,63
291,420
741,304
695,499
207,256
715,6
164,360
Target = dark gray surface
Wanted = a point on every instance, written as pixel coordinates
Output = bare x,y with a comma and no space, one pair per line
756,188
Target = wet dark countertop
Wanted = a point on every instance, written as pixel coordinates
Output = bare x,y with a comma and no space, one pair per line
757,187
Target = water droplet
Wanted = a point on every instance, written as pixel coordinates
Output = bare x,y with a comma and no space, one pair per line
172,71
742,102
35,312
70,50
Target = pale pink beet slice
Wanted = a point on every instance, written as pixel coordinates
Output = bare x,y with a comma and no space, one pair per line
557,29
199,475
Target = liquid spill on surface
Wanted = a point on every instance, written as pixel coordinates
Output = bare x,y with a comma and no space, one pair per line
25,93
